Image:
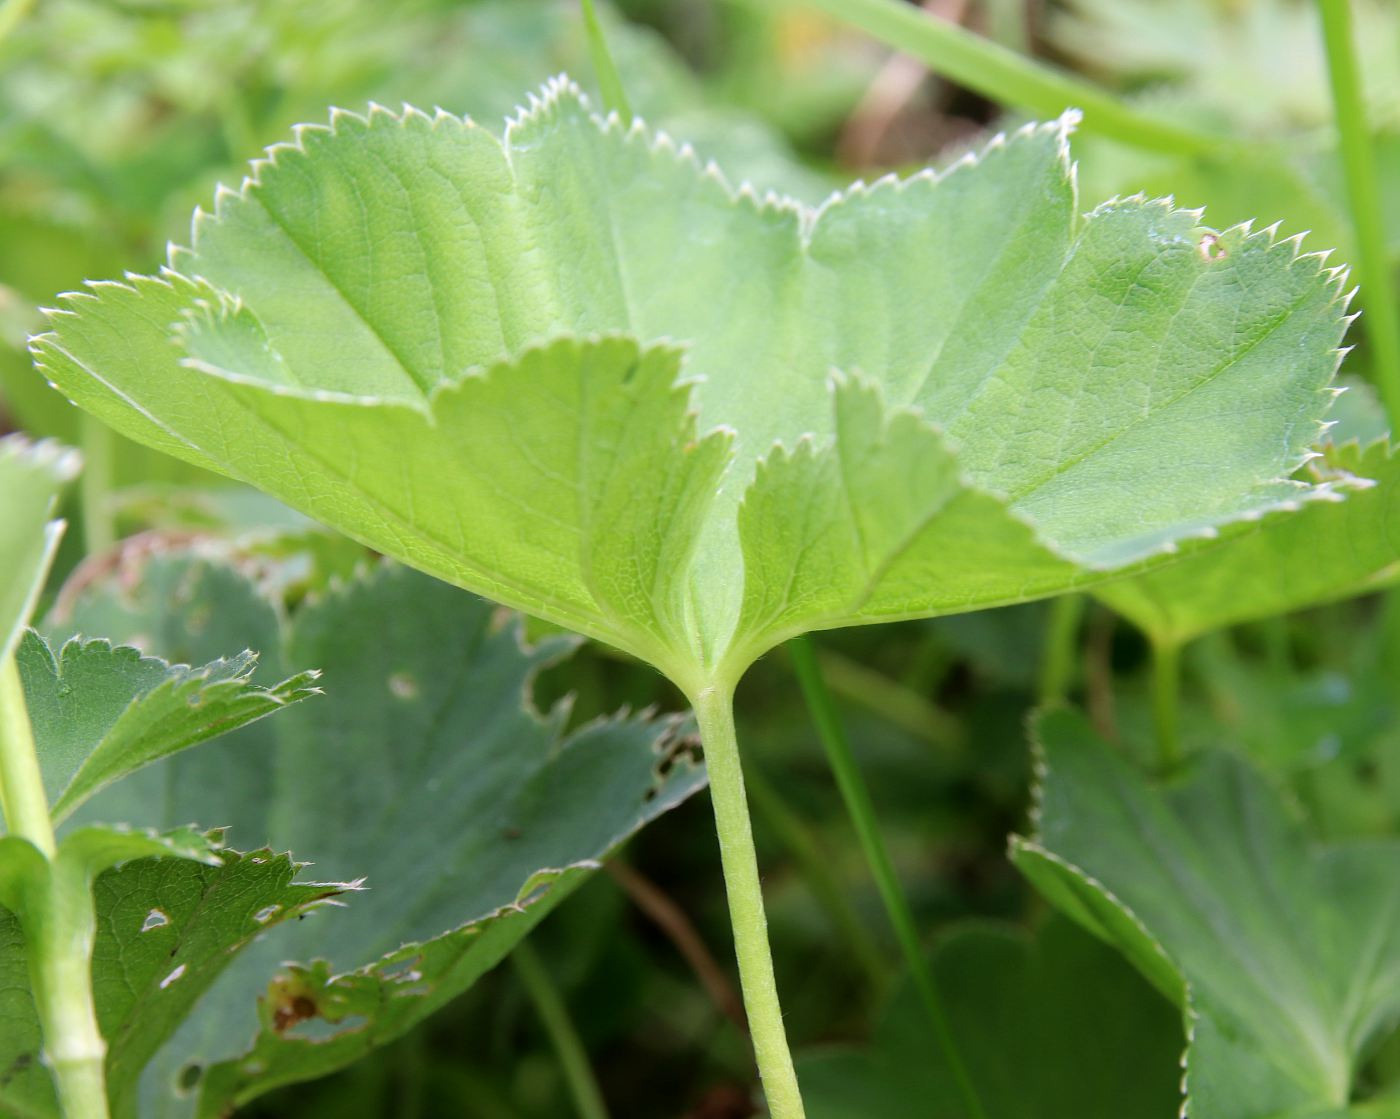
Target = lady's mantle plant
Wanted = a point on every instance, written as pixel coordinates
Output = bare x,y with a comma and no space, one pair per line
573,370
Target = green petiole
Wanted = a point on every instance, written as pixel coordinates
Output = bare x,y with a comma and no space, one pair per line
714,712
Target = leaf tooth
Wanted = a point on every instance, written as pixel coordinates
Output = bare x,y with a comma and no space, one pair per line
1337,273
342,118
1295,242
376,109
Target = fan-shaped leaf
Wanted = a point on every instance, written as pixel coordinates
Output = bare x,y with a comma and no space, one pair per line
393,287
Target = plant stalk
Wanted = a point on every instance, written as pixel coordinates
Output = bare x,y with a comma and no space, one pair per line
60,923
714,712
893,701
1166,702
60,927
862,813
1057,665
794,834
554,1015
1363,195
1010,78
22,795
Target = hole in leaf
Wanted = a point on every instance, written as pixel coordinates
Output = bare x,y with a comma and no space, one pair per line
154,920
174,975
1211,249
263,915
188,1078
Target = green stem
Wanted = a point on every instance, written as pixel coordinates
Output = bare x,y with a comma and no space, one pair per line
1012,79
1364,198
797,837
60,925
22,795
1166,702
95,485
1363,194
714,712
573,1058
1061,647
894,702
604,68
862,814
59,920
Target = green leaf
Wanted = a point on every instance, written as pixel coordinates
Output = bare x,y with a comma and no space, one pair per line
31,476
426,770
1322,552
394,327
171,918
1051,1026
1282,950
101,712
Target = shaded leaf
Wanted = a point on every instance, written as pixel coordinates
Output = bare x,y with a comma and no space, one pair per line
1050,1026
1283,950
426,770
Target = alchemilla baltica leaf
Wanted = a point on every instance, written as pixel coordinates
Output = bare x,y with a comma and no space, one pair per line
572,369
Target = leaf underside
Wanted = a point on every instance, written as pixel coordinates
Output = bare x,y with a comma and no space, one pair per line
1283,950
395,327
1325,551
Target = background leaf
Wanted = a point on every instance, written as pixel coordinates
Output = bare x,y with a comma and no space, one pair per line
167,927
100,712
1283,949
1051,1025
429,773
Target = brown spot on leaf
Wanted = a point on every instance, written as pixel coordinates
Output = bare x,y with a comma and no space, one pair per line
299,1008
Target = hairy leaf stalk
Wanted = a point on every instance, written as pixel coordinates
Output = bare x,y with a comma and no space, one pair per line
59,920
714,711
